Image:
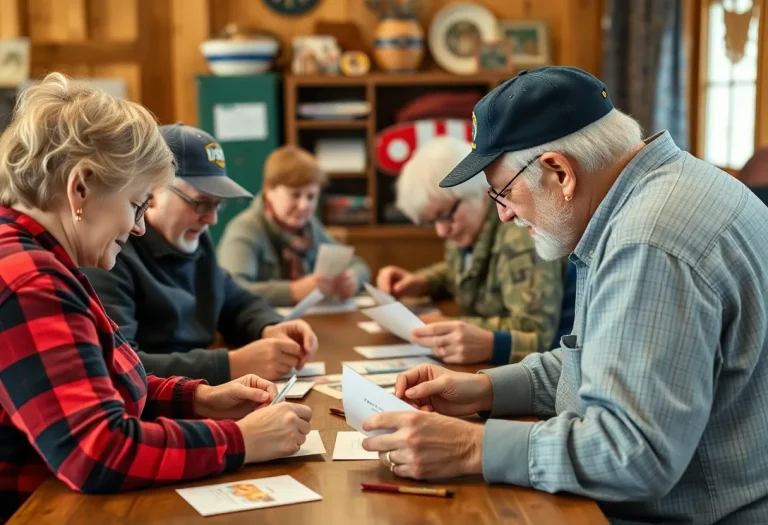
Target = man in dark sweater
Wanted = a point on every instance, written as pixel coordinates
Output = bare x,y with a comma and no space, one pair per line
169,296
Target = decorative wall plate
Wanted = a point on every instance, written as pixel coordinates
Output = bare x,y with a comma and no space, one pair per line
455,32
291,7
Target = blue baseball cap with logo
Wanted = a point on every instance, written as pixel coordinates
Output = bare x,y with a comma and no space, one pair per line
200,161
533,108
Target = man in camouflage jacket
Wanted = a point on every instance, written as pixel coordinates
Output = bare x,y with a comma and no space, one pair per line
504,287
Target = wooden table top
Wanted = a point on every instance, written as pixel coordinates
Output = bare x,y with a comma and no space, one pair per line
338,482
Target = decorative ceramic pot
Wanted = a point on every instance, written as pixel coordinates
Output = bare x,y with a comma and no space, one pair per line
399,45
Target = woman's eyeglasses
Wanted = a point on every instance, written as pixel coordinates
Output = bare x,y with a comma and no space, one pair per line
140,209
201,207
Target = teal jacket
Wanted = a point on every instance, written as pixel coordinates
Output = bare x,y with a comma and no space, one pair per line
251,255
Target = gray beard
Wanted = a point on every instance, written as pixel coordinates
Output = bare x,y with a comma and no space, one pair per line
549,246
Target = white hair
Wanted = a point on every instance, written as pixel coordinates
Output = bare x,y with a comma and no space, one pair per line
594,148
420,178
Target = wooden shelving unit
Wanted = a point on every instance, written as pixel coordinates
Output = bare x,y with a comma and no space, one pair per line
347,175
372,88
332,124
378,242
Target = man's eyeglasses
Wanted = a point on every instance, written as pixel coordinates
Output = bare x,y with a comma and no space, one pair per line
201,207
140,209
494,195
448,217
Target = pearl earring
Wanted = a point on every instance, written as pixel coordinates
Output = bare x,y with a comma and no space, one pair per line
79,215
567,198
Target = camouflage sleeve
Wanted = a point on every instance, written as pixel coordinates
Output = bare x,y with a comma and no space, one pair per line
532,293
440,278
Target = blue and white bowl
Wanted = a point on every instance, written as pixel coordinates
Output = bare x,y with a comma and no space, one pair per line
239,57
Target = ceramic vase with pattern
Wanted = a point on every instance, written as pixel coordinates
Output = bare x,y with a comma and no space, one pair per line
399,45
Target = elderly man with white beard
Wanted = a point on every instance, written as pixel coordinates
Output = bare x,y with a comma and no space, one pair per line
656,405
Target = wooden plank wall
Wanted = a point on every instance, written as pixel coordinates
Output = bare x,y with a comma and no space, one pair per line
574,24
154,44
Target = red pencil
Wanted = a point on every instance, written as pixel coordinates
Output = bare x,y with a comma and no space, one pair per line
338,412
422,491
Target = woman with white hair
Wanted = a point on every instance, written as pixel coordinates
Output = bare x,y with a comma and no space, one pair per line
509,298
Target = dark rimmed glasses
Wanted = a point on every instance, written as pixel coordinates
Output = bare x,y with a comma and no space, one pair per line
496,195
201,207
140,209
448,217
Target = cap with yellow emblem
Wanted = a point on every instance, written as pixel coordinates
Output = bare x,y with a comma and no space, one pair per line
200,161
533,108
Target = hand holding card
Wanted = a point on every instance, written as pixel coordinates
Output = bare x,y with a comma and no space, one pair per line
362,398
333,259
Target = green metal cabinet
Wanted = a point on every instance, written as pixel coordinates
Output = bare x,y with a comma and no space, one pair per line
245,155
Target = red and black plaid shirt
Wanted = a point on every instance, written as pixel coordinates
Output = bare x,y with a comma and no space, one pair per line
74,398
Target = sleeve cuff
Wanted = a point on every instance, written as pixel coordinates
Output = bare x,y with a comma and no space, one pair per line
435,282
511,391
281,295
277,319
505,452
184,398
235,454
502,347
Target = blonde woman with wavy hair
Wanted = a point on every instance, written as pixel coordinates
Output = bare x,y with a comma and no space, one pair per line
77,167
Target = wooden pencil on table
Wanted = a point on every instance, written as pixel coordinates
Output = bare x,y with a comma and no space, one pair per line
421,491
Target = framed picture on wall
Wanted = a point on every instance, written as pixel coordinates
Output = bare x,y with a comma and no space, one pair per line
530,42
495,56
14,61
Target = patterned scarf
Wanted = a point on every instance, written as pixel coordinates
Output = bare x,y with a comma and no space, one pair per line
294,246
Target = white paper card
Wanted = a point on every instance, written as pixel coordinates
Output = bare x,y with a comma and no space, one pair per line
324,308
247,494
364,301
349,445
389,351
240,122
315,368
381,297
311,447
396,318
372,327
362,398
314,297
333,259
387,366
330,385
298,390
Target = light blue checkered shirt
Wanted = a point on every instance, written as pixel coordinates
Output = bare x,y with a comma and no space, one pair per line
658,401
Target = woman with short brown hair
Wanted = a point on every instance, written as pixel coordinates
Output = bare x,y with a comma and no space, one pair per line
271,247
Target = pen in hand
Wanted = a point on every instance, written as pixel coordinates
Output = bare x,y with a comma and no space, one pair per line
279,397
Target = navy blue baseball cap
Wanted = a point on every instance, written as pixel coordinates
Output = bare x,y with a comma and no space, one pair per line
200,161
533,108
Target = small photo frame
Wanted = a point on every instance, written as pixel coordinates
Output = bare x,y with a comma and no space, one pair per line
495,56
315,55
14,62
529,40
